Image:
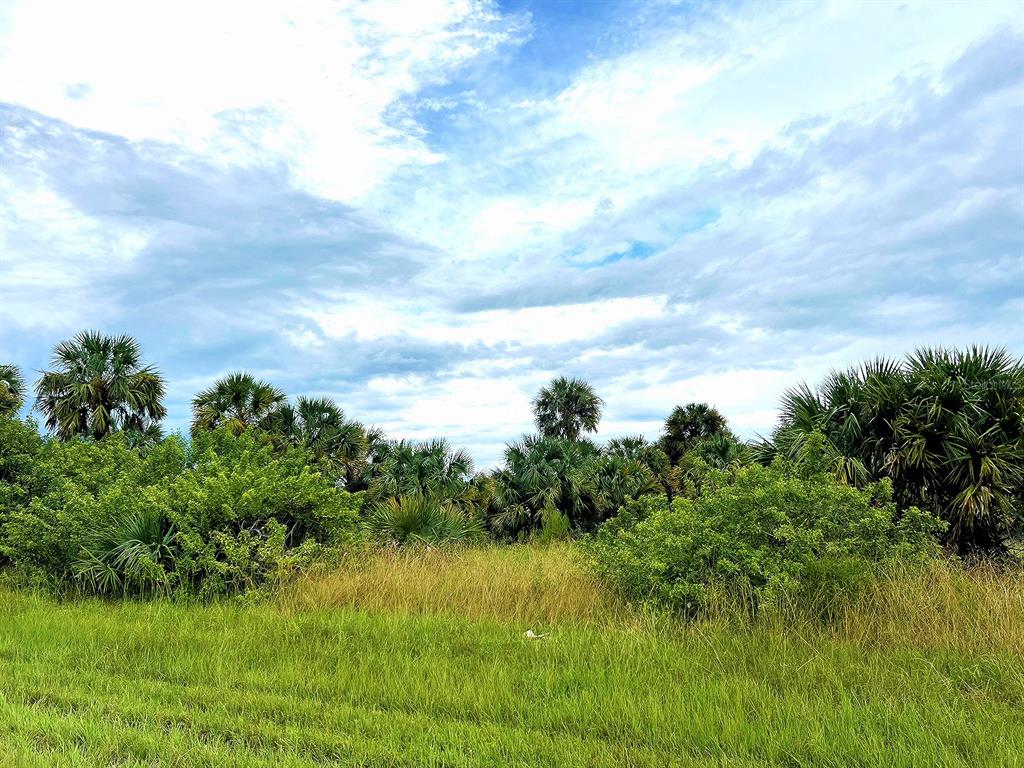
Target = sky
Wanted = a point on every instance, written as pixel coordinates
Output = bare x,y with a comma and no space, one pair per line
426,210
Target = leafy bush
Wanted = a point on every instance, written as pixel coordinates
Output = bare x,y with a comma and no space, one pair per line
224,514
20,445
415,518
767,533
555,528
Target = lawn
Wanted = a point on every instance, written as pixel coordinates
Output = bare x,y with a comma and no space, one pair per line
350,668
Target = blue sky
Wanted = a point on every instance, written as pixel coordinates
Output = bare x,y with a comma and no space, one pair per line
427,210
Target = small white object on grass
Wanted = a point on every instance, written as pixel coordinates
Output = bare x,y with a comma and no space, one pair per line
531,635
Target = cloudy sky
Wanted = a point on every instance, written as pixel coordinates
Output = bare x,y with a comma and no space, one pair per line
428,209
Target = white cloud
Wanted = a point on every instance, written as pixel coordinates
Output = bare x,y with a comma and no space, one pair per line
377,319
715,88
728,202
308,82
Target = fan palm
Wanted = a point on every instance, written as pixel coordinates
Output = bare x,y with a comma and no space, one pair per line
134,553
12,389
687,424
637,449
415,518
541,474
98,385
946,426
237,401
319,425
432,469
566,408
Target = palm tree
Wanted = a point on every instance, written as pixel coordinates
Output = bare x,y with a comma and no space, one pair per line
946,426
431,468
688,424
12,389
319,425
958,443
566,408
542,475
99,385
238,401
636,448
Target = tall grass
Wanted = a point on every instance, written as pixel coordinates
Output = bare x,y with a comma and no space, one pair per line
133,684
416,657
976,608
515,584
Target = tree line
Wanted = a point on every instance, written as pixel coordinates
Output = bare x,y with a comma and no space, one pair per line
944,427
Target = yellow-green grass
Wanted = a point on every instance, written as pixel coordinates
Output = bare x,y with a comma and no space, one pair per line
944,605
506,583
353,668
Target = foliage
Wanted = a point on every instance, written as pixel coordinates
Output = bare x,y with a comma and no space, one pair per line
947,426
20,446
132,554
319,425
540,474
766,533
546,476
237,401
224,514
566,408
689,424
431,468
556,527
99,385
12,390
248,514
414,518
76,488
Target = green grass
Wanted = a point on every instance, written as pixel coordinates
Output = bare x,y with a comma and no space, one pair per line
309,680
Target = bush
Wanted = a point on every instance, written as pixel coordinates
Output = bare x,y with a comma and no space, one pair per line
415,518
763,533
20,446
223,515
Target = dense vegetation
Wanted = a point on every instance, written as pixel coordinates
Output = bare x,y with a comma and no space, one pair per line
847,591
881,464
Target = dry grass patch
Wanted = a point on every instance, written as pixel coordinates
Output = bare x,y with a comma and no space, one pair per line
515,584
977,609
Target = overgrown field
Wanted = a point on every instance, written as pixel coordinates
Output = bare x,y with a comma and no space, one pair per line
419,658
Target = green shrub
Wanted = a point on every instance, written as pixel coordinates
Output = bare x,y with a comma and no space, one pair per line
555,528
764,533
248,514
222,515
415,518
20,446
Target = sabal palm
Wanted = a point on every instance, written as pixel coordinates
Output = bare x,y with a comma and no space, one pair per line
946,426
958,444
566,408
237,401
541,474
610,481
687,424
636,448
99,385
12,389
431,468
320,426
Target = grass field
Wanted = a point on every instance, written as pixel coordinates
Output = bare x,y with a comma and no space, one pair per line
420,660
